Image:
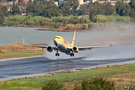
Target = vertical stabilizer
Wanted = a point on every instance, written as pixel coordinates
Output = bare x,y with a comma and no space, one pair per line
73,39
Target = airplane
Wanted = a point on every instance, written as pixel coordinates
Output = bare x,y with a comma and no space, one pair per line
63,46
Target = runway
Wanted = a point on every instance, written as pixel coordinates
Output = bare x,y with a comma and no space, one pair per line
40,65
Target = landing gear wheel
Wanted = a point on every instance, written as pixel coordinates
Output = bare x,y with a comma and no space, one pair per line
57,54
72,54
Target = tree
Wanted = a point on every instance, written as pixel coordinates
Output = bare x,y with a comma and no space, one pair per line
35,1
43,8
30,1
108,9
99,7
74,6
14,2
133,15
132,4
51,11
65,9
1,18
96,4
85,9
126,10
119,7
39,8
4,10
69,7
100,11
93,15
9,0
38,11
16,10
31,8
123,9
21,3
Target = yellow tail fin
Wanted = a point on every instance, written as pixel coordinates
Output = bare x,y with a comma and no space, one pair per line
73,39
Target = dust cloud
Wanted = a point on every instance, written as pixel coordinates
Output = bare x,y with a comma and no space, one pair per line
121,35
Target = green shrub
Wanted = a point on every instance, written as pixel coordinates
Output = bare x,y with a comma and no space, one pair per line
52,23
68,27
74,20
44,22
84,19
55,19
102,20
95,84
56,26
29,14
36,22
29,23
70,19
52,85
1,18
110,18
7,23
15,18
81,20
1,51
15,23
27,18
59,19
84,26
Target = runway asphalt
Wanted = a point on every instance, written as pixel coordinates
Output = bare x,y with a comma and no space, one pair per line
40,65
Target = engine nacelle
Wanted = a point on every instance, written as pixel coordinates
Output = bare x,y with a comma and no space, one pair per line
49,49
75,49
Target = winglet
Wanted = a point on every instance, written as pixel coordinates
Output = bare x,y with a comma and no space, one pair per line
73,39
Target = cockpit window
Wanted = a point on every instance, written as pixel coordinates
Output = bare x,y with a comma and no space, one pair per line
57,37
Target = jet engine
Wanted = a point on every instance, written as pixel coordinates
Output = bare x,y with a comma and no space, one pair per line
49,49
75,49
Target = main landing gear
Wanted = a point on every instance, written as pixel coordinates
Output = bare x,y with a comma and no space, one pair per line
57,54
72,54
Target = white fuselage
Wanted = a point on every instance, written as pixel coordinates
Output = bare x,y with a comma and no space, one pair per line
61,47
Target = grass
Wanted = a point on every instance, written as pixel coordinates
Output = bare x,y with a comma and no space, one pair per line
18,49
22,53
122,75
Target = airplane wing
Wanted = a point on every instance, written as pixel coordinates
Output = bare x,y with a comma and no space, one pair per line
88,47
55,48
92,47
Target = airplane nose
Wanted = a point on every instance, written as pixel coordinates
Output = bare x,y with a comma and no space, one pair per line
55,43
